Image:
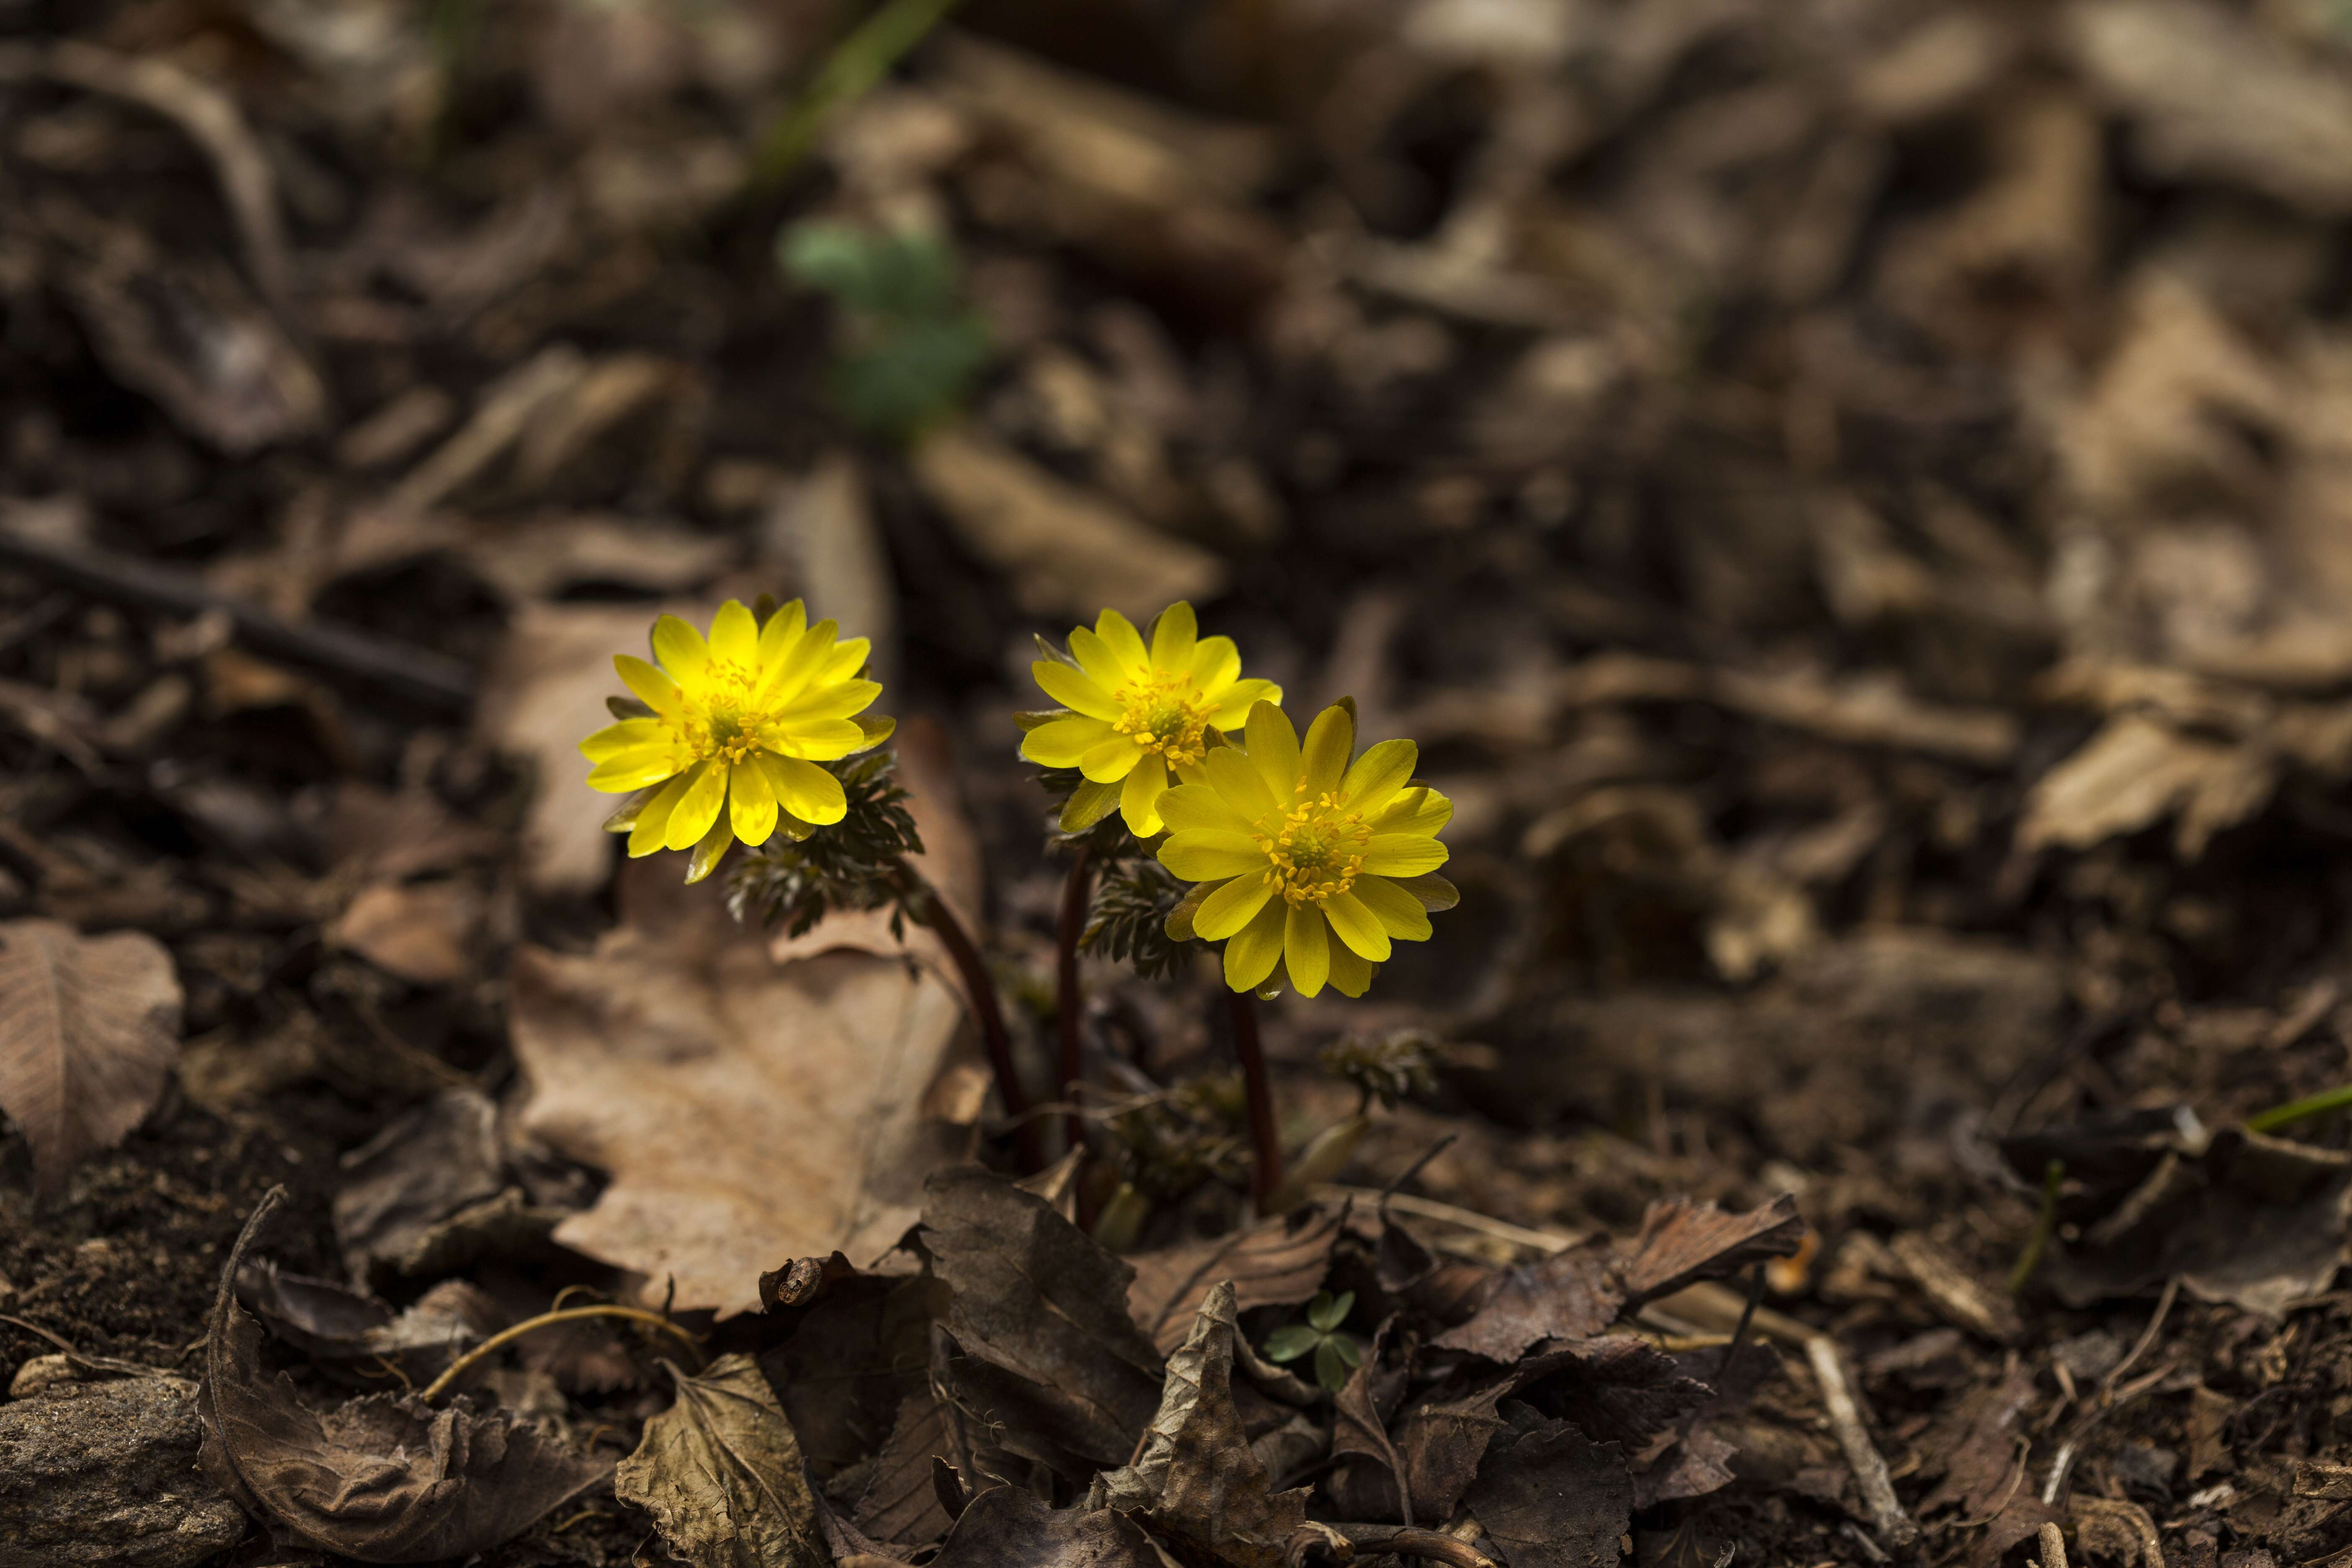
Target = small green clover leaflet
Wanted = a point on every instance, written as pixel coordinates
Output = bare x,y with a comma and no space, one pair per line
1336,1354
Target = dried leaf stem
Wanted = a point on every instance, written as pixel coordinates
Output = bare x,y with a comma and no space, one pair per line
507,1336
1265,1141
1067,1002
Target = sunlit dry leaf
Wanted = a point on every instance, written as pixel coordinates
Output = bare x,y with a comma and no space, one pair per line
89,1029
751,1110
421,931
2135,773
1683,1242
720,1472
384,1478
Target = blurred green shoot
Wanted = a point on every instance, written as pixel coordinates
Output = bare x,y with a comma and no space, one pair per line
848,74
911,347
1336,1354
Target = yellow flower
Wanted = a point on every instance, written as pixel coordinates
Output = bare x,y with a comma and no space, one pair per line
733,732
1302,845
1129,714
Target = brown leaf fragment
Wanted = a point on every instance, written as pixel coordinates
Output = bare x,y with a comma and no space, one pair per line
424,932
1571,1295
337,1323
844,1371
1975,1445
1195,1477
1442,1438
1957,1294
89,1029
720,1472
1363,1483
1004,1527
1550,1497
1039,1313
383,1480
437,1161
1277,1262
1683,1242
1618,1388
902,1502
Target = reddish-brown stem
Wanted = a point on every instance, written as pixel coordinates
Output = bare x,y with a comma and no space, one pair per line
1265,1170
1067,1003
993,1032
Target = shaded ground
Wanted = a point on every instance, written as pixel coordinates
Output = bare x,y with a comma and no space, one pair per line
1851,500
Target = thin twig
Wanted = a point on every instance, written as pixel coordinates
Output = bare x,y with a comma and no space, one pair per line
2053,1545
1266,1140
1068,1004
2147,1338
981,988
504,1337
1887,1520
417,675
2061,1464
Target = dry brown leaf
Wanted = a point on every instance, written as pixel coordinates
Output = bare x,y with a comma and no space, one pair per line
1278,1262
720,1472
1068,551
750,1107
89,1029
2135,773
421,931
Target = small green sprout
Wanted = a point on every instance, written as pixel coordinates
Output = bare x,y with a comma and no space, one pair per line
1336,1354
910,347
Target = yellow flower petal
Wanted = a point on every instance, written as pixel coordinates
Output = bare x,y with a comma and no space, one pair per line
1272,745
1063,743
735,635
635,769
1139,800
806,790
1074,689
1109,759
784,631
1125,642
792,673
1378,774
752,803
1357,926
819,740
1208,857
652,821
656,689
1236,778
613,738
1096,658
1216,664
823,702
1306,948
1196,808
1351,974
709,850
706,793
1234,702
1231,907
681,650
1403,854
846,660
1323,759
1421,810
1173,637
1253,951
1399,912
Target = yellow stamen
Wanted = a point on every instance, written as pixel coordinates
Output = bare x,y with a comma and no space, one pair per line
1163,712
1314,850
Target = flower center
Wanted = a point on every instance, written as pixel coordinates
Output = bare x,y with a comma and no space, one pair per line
1162,713
1315,849
718,721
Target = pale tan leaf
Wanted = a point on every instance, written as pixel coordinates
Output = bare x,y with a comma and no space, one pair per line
2135,773
88,1028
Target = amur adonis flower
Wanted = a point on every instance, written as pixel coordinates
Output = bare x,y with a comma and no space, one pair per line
727,733
1132,715
1308,860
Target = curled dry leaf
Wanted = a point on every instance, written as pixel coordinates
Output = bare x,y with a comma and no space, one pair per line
88,1028
1683,1242
1569,1295
1195,1476
384,1478
1550,1497
720,1472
